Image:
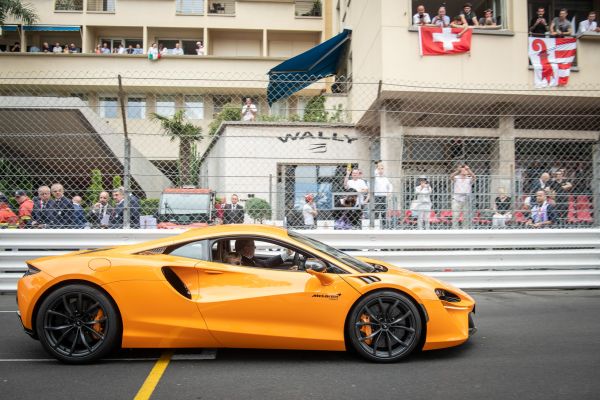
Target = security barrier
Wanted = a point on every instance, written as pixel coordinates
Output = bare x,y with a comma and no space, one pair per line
470,259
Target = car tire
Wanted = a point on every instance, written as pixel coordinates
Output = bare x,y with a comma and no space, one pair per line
384,327
77,324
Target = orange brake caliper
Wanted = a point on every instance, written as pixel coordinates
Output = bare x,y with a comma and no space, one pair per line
97,327
366,329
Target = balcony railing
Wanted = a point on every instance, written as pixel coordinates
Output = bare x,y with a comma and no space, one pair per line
190,7
308,8
68,5
221,7
107,6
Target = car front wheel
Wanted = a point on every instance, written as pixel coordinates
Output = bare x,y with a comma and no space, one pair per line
384,326
77,324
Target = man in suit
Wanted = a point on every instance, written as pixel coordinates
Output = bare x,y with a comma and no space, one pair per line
234,212
61,213
39,214
100,212
79,220
246,248
115,220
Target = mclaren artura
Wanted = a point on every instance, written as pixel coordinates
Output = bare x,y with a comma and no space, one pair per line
239,286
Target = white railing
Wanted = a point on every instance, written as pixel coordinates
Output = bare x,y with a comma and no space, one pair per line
470,259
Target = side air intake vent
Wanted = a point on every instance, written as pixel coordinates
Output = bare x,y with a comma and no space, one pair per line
368,279
176,282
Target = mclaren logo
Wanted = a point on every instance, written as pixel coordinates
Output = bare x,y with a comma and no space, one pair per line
334,296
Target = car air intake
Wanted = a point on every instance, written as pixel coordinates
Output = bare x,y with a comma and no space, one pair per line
368,279
176,282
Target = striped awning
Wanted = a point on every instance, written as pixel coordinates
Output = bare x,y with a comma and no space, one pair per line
51,28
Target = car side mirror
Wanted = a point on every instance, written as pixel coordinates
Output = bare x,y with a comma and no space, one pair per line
315,265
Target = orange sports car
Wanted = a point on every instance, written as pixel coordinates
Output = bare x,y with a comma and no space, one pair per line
239,286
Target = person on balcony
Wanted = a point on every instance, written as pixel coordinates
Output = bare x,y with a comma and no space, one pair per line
488,21
590,24
560,26
468,15
441,19
177,51
249,110
421,17
538,25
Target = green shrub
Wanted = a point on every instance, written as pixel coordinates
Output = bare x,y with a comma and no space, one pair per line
258,209
315,110
230,112
149,206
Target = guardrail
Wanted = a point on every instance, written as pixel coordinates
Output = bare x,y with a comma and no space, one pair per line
470,259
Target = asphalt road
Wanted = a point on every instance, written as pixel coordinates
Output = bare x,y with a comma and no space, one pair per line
530,345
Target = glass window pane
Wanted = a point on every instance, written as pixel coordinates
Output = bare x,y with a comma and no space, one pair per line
190,6
194,107
108,107
136,108
165,106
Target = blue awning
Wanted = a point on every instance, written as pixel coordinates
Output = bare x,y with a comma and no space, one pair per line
299,72
51,28
9,28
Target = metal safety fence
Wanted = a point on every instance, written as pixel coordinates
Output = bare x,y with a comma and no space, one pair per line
91,150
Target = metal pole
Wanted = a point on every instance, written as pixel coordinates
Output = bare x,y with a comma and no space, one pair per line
271,191
126,160
596,182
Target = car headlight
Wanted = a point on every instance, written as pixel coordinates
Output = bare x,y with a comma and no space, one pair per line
445,295
31,270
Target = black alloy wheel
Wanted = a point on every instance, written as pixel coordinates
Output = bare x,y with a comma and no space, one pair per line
384,327
77,324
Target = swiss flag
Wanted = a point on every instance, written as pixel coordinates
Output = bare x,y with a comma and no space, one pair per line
435,40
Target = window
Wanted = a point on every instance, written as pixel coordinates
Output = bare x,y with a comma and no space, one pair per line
109,107
195,250
136,108
165,106
194,107
577,10
190,7
454,7
101,5
68,5
302,101
280,108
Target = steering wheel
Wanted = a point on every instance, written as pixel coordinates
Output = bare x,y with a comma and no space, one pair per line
299,261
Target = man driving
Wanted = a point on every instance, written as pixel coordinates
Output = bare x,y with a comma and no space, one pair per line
246,248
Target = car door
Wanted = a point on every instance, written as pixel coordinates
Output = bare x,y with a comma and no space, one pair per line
272,308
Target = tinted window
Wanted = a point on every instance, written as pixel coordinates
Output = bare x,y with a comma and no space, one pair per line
196,250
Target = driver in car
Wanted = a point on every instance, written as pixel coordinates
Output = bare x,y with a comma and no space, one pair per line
246,248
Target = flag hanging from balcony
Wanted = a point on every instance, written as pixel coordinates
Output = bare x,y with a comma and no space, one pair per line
436,41
300,71
551,59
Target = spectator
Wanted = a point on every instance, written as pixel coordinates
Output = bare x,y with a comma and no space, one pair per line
34,49
349,213
501,208
116,213
200,48
73,49
309,212
421,17
462,180
457,22
121,49
66,50
57,49
542,213
40,215
138,49
560,25
8,219
163,50
590,24
153,52
488,20
234,212
249,110
357,184
98,49
130,49
25,208
177,51
60,209
15,48
100,212
562,189
134,207
441,19
382,189
541,184
421,206
46,48
78,213
538,26
105,49
468,16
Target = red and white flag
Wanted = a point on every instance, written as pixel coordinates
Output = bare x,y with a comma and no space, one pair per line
435,40
551,59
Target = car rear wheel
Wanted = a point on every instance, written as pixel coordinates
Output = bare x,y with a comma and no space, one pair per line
384,327
77,324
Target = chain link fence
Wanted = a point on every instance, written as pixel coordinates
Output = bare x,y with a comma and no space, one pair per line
108,151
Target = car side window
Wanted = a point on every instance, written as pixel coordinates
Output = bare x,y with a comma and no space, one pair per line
196,250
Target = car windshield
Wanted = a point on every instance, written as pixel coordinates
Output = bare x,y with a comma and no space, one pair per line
180,203
358,265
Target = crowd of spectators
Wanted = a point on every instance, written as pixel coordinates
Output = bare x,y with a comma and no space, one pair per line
464,19
104,48
51,209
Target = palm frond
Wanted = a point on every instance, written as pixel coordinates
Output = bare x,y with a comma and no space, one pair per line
20,11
